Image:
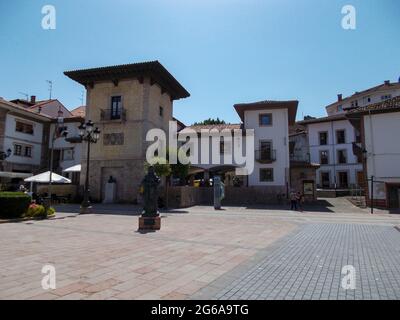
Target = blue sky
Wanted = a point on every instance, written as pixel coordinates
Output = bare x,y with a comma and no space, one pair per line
222,51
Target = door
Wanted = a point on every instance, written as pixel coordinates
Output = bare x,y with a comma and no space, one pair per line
325,180
360,178
343,180
394,197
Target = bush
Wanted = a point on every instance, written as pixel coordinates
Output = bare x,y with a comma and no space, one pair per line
36,211
13,204
51,212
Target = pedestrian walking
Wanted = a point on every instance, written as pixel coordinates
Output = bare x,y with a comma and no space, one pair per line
293,200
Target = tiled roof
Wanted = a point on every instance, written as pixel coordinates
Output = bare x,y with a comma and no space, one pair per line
79,112
291,105
390,105
383,86
26,111
219,127
152,69
335,117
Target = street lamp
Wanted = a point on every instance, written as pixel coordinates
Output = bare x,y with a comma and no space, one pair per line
5,155
59,123
89,135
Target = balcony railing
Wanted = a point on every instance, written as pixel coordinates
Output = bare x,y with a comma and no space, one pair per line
300,157
265,156
109,115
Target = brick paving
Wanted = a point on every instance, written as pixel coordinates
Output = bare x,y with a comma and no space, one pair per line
103,257
200,253
308,265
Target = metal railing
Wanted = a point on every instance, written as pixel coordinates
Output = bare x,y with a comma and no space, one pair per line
300,157
265,156
110,114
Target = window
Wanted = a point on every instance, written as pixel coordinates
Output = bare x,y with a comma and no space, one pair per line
22,150
323,138
23,127
358,136
265,119
266,175
342,156
116,107
161,111
340,136
67,154
340,108
324,157
28,152
386,97
354,103
17,149
266,150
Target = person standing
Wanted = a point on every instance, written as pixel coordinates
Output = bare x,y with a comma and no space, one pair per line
293,200
300,201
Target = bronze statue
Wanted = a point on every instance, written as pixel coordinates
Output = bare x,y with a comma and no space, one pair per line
150,193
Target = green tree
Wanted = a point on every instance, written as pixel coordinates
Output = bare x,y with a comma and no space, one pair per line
210,121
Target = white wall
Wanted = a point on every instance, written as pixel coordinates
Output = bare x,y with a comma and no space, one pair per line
34,140
278,133
61,143
352,167
382,134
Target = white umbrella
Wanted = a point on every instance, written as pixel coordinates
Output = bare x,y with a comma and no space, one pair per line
75,168
45,178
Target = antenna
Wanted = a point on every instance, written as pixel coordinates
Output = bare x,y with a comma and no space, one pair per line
82,97
24,94
50,83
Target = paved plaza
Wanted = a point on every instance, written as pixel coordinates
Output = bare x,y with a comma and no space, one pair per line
237,253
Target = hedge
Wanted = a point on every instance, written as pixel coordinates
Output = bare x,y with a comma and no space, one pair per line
13,204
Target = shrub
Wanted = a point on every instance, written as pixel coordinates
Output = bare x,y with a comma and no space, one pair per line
39,211
36,211
51,212
13,204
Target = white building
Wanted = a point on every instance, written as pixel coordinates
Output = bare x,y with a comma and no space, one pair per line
26,135
331,138
270,121
377,94
330,141
380,149
23,134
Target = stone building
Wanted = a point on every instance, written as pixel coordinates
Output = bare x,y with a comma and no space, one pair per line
125,102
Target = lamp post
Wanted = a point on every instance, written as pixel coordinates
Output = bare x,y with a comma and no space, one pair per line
89,135
59,123
4,155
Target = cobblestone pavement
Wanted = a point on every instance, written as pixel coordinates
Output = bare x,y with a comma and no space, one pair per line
234,253
308,265
103,257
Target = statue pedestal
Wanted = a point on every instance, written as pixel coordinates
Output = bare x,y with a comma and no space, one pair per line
149,223
110,192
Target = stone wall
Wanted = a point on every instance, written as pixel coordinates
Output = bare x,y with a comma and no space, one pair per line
59,189
303,174
182,197
128,175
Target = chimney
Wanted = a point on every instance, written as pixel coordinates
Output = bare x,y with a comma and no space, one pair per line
387,82
339,97
39,109
33,99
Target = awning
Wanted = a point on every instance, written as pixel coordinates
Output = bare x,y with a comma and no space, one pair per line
12,175
75,168
45,178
